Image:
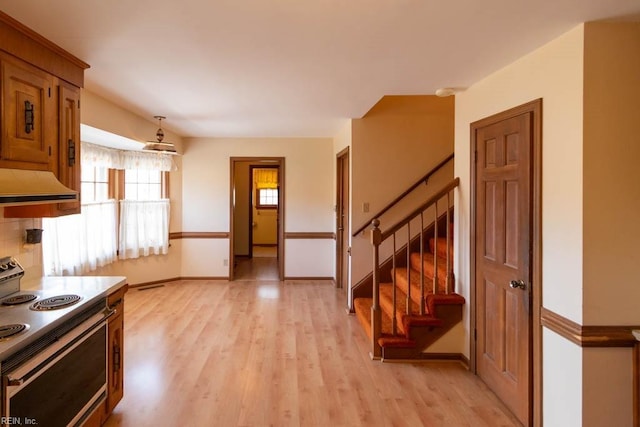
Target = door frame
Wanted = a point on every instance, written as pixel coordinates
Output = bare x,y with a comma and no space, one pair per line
278,162
341,202
535,109
252,195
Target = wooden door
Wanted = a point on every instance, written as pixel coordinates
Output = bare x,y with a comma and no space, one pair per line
503,247
342,220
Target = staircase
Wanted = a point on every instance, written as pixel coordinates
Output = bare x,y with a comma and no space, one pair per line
413,301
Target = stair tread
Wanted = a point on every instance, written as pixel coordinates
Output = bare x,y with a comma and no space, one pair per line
362,307
386,304
441,249
426,265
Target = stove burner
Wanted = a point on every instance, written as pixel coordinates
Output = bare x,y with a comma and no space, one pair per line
54,303
8,331
18,299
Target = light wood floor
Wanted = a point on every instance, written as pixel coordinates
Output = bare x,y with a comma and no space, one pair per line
254,353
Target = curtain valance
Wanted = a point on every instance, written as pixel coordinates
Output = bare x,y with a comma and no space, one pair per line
265,178
95,155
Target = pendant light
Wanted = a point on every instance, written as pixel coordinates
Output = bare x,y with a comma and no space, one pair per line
158,145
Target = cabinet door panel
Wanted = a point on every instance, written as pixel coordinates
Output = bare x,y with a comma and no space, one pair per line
26,134
69,144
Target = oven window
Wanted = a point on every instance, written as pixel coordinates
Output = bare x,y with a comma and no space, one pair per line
64,389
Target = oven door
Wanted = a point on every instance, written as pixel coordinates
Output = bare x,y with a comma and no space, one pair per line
63,384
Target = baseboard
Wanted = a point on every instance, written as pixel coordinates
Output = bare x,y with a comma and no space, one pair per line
175,279
154,282
433,357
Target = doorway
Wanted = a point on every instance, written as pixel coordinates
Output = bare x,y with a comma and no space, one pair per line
342,220
505,259
257,218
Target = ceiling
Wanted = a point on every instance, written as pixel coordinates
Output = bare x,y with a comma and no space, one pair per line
261,68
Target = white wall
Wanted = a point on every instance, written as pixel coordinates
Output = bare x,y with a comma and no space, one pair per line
308,199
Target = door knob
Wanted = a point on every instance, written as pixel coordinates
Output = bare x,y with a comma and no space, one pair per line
515,284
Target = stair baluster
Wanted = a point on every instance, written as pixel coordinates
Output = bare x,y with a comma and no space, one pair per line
376,315
394,317
448,243
435,250
408,270
422,302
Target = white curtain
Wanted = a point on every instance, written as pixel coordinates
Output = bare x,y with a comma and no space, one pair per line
144,228
77,244
96,155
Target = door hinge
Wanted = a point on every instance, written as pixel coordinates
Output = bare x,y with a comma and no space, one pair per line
49,92
475,335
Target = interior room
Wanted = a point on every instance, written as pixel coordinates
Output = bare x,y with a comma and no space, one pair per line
352,214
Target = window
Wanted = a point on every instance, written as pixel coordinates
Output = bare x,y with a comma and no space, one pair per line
144,214
94,184
267,198
78,244
142,184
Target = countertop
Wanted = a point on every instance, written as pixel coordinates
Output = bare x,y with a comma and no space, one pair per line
636,333
97,285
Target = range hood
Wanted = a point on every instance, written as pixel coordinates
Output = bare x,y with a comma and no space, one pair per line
27,187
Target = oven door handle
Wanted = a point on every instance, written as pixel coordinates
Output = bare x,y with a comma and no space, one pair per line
63,345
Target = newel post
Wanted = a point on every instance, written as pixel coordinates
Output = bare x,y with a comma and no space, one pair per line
376,316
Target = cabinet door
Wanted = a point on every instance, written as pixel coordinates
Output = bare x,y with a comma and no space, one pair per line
69,144
28,117
115,384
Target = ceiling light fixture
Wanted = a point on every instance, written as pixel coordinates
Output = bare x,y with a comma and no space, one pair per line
445,91
158,145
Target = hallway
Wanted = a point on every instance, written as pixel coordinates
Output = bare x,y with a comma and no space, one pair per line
263,265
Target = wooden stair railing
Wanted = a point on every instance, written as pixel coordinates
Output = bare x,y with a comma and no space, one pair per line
424,179
378,237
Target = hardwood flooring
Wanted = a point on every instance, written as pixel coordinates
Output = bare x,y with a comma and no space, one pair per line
269,353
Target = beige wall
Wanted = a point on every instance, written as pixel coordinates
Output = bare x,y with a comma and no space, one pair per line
553,73
611,174
102,114
308,200
588,82
12,243
394,144
265,226
241,212
263,222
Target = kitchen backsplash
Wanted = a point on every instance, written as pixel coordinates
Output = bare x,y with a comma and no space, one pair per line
12,242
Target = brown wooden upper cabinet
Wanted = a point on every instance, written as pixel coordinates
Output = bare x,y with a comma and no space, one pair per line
39,112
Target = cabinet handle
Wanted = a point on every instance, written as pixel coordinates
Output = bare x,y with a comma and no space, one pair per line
71,153
116,358
28,117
